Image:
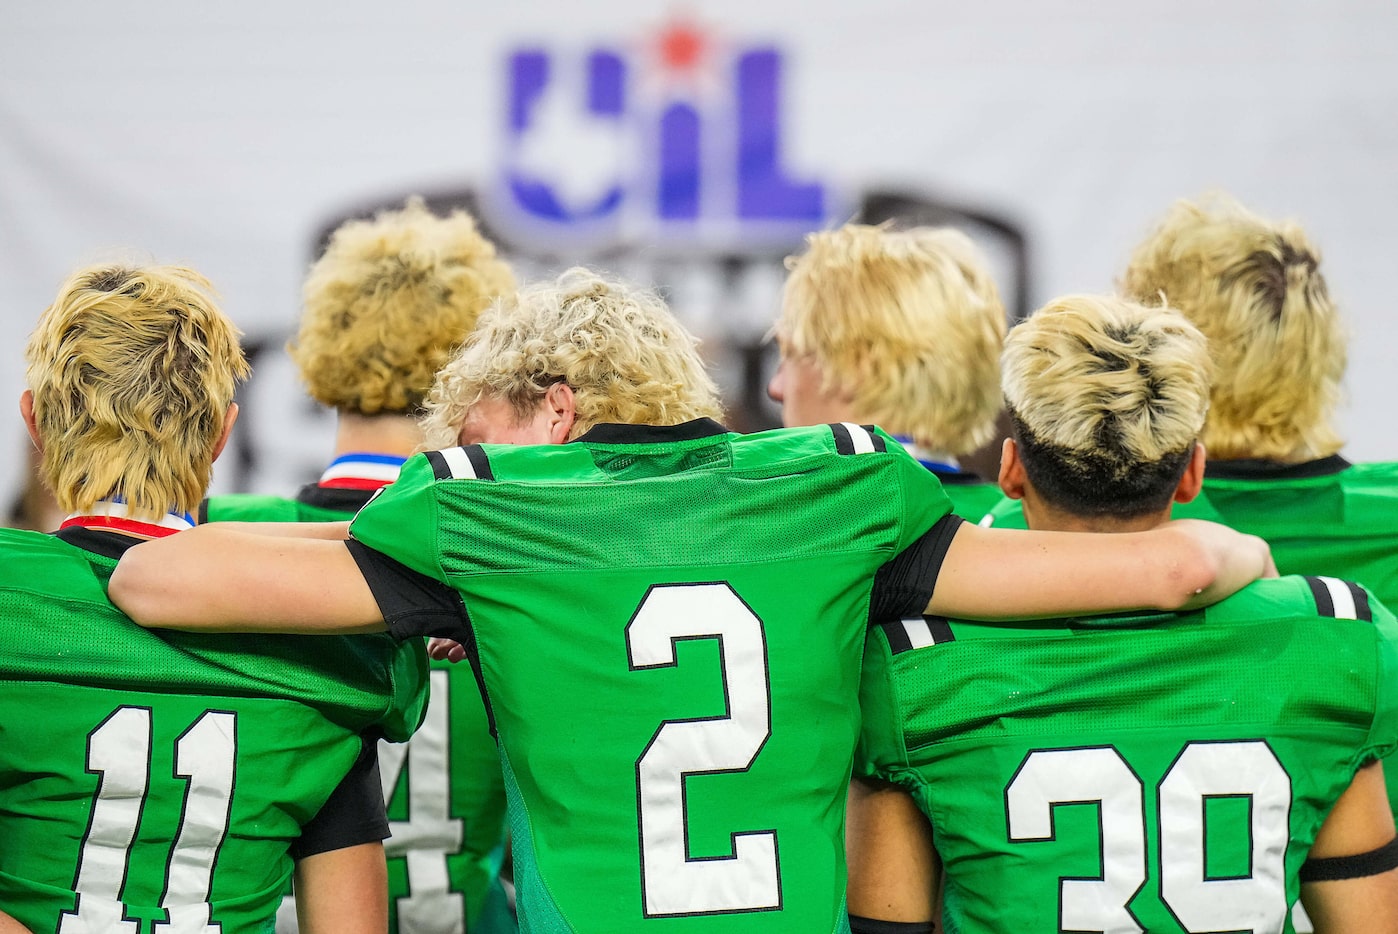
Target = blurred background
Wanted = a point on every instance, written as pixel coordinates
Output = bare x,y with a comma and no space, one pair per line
687,146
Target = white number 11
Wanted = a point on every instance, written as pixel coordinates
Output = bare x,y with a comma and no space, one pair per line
119,750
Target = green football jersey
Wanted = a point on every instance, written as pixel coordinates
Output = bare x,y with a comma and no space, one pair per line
1325,517
154,778
1161,772
444,789
971,497
312,504
668,624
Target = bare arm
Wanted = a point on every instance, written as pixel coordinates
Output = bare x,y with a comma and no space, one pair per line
1360,822
343,891
892,865
225,578
9,925
1003,573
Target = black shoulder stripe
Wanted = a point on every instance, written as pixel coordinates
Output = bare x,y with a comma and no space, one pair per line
898,641
1361,602
1340,599
855,439
479,462
468,463
440,470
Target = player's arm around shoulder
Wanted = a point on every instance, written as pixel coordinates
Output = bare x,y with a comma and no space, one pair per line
253,577
1180,565
1349,883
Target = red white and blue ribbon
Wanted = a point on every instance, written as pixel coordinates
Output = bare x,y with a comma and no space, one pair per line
361,471
112,515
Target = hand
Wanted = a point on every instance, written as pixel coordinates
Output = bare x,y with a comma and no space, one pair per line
445,650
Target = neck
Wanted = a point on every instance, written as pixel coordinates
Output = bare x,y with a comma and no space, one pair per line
1043,517
394,434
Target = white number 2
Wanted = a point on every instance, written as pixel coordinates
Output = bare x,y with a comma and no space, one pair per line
1099,775
672,882
119,750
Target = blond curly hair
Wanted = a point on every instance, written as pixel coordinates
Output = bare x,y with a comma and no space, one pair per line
1107,398
617,346
1255,289
908,323
133,370
388,302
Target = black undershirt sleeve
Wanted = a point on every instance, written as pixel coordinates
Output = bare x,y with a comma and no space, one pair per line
903,586
353,814
1335,868
858,925
413,605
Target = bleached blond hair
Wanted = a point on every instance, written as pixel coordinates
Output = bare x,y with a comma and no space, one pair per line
388,302
1254,287
1106,399
617,346
133,370
908,323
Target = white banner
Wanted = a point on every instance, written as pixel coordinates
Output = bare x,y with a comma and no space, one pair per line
689,149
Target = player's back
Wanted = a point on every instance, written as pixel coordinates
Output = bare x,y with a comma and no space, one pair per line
150,777
1149,772
668,623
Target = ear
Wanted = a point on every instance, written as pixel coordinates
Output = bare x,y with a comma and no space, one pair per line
561,410
31,424
1012,475
1193,480
228,420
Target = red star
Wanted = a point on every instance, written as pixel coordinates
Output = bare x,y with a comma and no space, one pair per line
681,46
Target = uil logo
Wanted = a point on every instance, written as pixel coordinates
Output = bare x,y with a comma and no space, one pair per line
677,139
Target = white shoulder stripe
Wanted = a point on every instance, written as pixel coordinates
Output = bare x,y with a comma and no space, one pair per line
1340,598
458,463
918,632
862,440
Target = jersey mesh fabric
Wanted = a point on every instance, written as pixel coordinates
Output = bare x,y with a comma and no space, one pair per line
1328,518
1015,722
239,739
762,550
444,792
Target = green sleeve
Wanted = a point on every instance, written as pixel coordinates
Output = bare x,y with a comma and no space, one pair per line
924,500
1383,737
410,691
402,521
880,740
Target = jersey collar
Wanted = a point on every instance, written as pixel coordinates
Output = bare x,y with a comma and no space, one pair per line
610,433
1274,470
